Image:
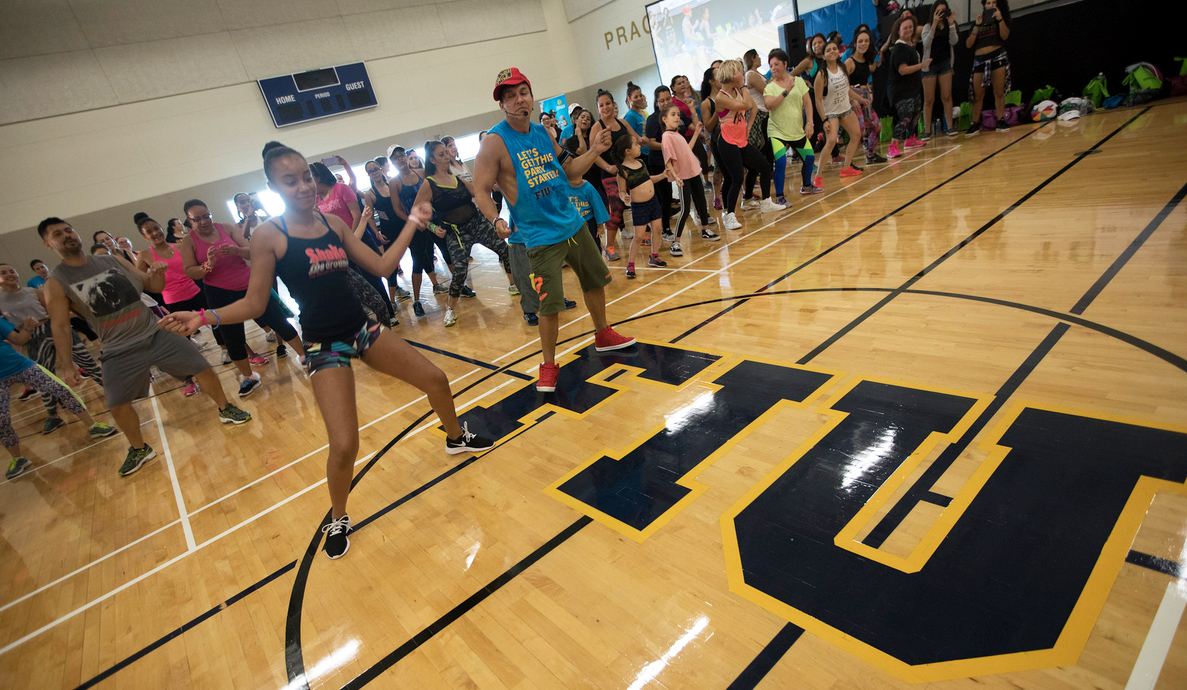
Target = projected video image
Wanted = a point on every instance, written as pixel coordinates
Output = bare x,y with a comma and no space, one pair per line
688,35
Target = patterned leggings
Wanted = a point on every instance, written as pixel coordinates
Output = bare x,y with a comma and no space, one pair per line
906,117
461,238
34,377
370,297
867,121
614,204
41,350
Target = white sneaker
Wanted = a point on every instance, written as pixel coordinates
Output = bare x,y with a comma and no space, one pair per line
450,317
771,206
750,204
730,221
675,250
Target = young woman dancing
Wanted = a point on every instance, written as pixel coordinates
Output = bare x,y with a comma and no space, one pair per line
639,185
180,292
835,95
862,60
310,252
456,218
405,186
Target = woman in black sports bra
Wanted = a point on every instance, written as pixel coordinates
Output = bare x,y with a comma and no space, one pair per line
311,253
389,224
456,218
618,129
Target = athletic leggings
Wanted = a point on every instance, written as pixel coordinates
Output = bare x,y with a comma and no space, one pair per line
376,284
233,333
41,350
196,303
461,238
33,377
733,162
906,117
783,149
663,192
373,298
768,152
867,120
694,188
614,204
421,249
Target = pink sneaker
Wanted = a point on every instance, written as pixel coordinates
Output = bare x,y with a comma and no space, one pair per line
914,143
717,203
191,388
258,360
892,151
818,182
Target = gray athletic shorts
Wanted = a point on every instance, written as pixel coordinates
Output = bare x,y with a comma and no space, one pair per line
126,373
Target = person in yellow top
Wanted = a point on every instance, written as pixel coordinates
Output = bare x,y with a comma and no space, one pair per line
788,99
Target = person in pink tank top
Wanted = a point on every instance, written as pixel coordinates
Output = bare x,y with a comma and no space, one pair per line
180,293
216,254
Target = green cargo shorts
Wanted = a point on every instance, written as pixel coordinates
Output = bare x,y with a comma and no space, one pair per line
582,256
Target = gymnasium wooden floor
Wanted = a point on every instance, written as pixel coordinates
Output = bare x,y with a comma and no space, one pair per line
926,430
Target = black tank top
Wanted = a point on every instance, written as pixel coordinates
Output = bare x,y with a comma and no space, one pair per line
389,223
860,76
453,205
315,272
623,131
636,176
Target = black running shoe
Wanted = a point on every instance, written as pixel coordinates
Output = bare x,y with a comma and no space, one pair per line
532,319
136,458
281,351
418,309
467,292
570,304
17,467
337,541
467,442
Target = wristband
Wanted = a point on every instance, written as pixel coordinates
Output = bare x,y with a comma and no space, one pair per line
202,313
217,321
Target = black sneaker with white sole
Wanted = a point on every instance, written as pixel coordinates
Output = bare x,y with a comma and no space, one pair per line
136,458
337,541
467,442
248,386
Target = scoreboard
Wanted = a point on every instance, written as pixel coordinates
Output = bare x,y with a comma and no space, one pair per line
318,93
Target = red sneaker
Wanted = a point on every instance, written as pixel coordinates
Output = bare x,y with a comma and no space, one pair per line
548,376
850,172
607,339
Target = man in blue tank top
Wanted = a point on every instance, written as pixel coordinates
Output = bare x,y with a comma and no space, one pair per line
533,171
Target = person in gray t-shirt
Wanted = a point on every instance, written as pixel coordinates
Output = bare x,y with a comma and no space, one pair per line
106,291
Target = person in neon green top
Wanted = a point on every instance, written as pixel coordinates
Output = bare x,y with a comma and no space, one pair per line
788,99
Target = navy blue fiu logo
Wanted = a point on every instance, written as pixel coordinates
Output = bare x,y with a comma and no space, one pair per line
1011,576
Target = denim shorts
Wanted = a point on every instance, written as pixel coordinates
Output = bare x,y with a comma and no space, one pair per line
939,69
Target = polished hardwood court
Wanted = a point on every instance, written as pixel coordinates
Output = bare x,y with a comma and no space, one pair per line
928,429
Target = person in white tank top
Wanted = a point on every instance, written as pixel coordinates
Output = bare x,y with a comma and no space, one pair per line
836,97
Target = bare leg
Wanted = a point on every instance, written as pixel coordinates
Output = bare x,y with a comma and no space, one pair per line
929,101
297,345
334,391
636,243
212,387
243,365
999,93
549,327
15,451
393,356
978,99
129,422
946,99
850,125
595,302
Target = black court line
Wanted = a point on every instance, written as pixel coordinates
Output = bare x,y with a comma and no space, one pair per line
896,211
961,245
463,608
1161,565
932,474
922,487
184,628
770,655
471,360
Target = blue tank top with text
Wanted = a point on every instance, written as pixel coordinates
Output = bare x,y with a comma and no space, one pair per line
543,213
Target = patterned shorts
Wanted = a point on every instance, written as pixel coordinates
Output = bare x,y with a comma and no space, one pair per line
338,353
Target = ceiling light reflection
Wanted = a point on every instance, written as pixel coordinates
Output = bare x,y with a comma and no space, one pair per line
870,455
680,418
336,659
650,671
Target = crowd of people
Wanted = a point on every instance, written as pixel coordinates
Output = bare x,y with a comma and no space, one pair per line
339,251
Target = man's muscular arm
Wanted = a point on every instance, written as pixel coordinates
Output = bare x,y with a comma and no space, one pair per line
493,159
577,166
